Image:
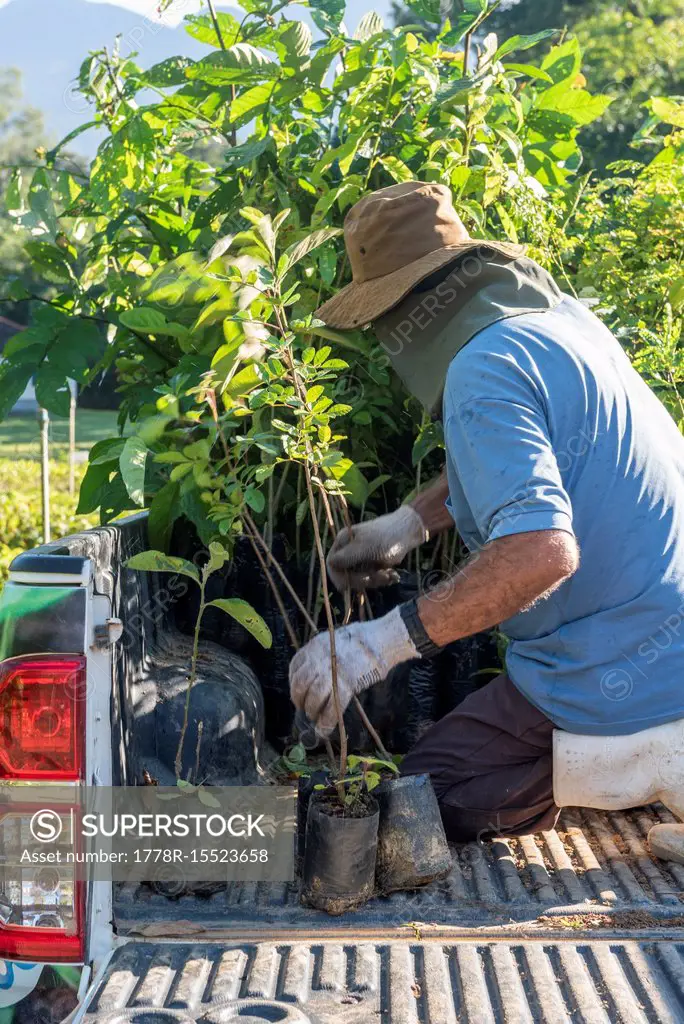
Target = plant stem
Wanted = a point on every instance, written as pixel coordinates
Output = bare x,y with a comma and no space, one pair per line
276,593
298,525
372,731
331,624
281,485
191,681
219,36
301,391
200,730
374,735
281,573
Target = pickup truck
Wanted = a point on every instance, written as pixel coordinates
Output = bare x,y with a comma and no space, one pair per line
578,924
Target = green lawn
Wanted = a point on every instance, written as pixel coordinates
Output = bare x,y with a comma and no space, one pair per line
20,435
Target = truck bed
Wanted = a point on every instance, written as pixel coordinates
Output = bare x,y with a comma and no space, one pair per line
593,872
356,981
576,924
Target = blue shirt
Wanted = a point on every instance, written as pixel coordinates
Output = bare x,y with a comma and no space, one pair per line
548,427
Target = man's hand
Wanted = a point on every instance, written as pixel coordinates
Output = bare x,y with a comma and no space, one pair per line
365,653
366,555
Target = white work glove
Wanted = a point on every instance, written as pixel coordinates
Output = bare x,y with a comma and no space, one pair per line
365,555
365,651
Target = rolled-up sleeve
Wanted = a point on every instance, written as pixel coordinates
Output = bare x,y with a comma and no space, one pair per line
500,449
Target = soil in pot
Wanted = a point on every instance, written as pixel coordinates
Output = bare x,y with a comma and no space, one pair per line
339,860
412,846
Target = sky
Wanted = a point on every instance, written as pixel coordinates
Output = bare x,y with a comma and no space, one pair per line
47,40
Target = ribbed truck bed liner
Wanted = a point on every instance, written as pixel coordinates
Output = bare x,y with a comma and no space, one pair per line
594,865
597,982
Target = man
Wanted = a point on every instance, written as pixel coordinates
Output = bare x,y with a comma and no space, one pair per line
565,478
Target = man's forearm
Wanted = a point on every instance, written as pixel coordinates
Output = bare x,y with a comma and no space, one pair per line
429,504
504,578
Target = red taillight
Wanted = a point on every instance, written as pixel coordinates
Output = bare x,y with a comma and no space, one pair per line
42,739
42,722
52,933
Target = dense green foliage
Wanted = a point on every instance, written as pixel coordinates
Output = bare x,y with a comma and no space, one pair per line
630,50
204,273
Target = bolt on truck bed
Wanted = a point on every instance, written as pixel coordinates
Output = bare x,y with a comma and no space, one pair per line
576,924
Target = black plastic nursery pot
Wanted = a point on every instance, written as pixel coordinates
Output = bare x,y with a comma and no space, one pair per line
412,846
339,861
306,787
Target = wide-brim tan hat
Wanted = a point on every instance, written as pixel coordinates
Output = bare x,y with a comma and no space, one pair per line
395,238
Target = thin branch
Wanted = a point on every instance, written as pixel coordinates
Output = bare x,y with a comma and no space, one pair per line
219,36
276,593
374,735
278,568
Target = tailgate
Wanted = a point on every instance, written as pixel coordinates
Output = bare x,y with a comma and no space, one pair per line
401,982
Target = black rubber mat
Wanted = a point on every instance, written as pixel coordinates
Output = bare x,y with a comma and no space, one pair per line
593,863
393,983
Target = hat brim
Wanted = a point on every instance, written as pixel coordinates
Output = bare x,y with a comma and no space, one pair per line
361,302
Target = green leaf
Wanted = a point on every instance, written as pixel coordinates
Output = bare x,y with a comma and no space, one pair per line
52,154
332,12
218,556
370,25
240,156
562,63
302,511
431,437
13,197
157,561
522,42
52,391
396,168
530,70
206,798
243,613
250,103
577,105
218,202
105,451
132,465
296,39
13,381
239,63
243,382
428,10
352,479
164,511
172,71
50,261
201,27
172,457
150,321
314,393
670,110
255,499
297,754
195,510
471,14
294,253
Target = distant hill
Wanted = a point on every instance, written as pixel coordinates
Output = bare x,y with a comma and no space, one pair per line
48,39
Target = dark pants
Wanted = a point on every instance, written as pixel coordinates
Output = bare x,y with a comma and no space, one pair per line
490,760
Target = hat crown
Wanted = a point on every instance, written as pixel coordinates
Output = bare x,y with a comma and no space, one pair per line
395,226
